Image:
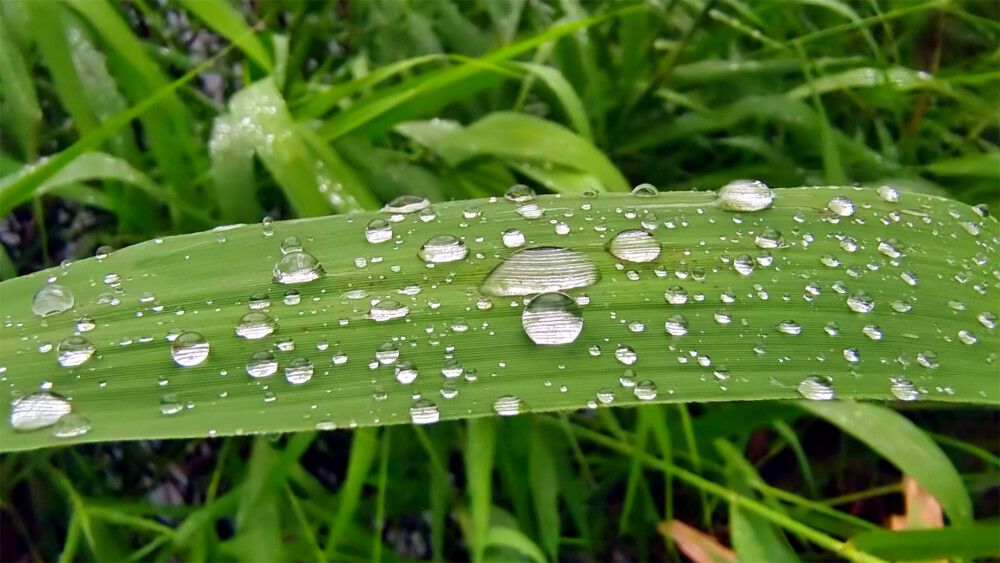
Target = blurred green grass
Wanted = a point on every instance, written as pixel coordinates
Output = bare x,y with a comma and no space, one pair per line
334,106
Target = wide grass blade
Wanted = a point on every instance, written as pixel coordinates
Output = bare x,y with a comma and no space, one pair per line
978,541
814,297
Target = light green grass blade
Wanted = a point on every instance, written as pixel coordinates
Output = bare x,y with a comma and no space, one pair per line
232,171
480,446
222,17
567,96
986,165
514,539
978,541
19,107
901,442
203,282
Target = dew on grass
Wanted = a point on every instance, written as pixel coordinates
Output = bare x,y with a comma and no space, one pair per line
52,299
552,318
38,410
74,350
744,195
255,325
540,270
189,349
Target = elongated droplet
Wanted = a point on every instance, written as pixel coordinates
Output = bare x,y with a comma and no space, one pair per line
645,390
816,388
51,300
189,349
841,206
635,246
904,389
406,204
71,425
552,318
745,195
540,270
443,248
508,405
378,230
388,309
38,410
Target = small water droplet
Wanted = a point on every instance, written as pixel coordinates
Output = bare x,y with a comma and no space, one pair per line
626,355
297,267
51,300
508,405
406,372
789,327
291,244
987,319
298,370
888,193
676,295
255,325
677,325
387,353
443,248
388,309
262,364
189,349
519,193
552,318
378,231
891,248
74,350
841,206
605,395
259,301
70,426
452,368
645,390
816,388
744,264
872,331
860,302
967,337
513,238
904,389
170,404
291,297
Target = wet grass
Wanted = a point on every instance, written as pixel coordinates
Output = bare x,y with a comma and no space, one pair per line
366,98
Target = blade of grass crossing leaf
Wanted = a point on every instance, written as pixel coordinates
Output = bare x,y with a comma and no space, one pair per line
544,484
222,17
440,489
479,449
661,434
902,443
304,525
363,448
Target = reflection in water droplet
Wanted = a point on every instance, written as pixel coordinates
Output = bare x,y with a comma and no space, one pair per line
744,264
888,193
255,325
860,302
85,324
74,350
634,246
262,364
677,325
292,297
378,230
424,411
388,309
406,372
170,404
904,389
745,195
676,295
452,368
626,355
291,244
51,300
645,190
406,204
387,353
508,405
38,410
70,426
539,270
443,248
298,267
513,238
816,388
606,395
299,370
789,327
841,206
519,193
189,349
552,318
645,390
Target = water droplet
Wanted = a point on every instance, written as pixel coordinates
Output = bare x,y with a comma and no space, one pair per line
508,405
721,373
103,252
170,404
888,193
292,297
38,410
452,368
267,226
262,364
841,206
484,304
85,324
769,238
634,246
539,270
459,324
904,389
891,248
909,277
299,370
259,301
789,327
987,319
406,372
967,337
872,331
745,195
378,230
829,260
606,395
513,238
51,300
291,244
677,325
388,309
189,349
519,193
901,306
645,190
852,355
297,267
676,295
928,359
645,390
404,205
70,426
443,248
255,325
744,264
816,388
723,317
552,318
387,353
74,350
860,302
424,411
626,355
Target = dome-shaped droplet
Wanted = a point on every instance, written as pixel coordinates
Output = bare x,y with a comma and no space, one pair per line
291,244
904,389
888,193
860,302
645,390
789,327
424,411
987,319
259,301
170,404
378,230
552,318
255,325
745,195
816,388
513,238
744,264
677,325
676,295
51,300
605,395
298,267
769,238
189,349
452,368
891,248
387,353
540,270
70,426
85,324
508,405
406,372
841,206
645,190
298,370
519,193
443,248
262,364
626,355
634,246
291,297
388,309
38,410
406,204
74,350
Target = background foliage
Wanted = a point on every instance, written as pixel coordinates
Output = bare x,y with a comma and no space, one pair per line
329,107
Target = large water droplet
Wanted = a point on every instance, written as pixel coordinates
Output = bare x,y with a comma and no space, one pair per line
645,190
816,388
378,230
38,410
513,238
841,206
388,309
406,204
387,353
70,426
677,325
540,270
745,195
519,193
904,389
298,267
552,318
508,405
74,350
744,264
406,372
860,302
675,295
262,364
299,370
634,246
888,193
443,248
424,411
626,355
645,390
189,349
51,300
255,325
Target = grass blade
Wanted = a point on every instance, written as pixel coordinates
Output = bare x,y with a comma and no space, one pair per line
221,16
978,541
480,443
20,110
